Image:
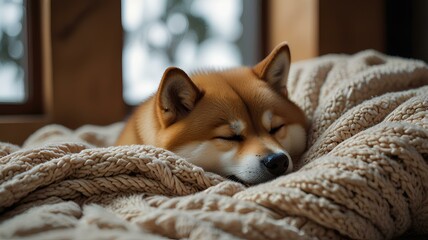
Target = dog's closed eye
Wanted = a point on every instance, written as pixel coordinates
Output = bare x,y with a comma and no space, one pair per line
275,129
236,138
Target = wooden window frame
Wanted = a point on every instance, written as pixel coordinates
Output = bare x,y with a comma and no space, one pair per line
33,78
80,69
312,28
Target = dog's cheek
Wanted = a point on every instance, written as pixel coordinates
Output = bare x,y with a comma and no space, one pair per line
223,145
292,138
229,160
209,156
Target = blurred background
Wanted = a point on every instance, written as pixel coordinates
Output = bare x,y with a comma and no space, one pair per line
76,62
188,34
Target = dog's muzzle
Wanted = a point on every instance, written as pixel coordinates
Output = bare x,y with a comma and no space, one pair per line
276,163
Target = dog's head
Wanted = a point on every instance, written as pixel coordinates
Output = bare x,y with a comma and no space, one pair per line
238,123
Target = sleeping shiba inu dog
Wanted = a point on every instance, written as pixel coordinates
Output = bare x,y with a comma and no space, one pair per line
238,123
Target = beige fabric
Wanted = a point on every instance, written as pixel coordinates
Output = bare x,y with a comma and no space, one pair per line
364,175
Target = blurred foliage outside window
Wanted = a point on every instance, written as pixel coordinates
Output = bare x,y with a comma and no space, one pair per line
12,76
190,34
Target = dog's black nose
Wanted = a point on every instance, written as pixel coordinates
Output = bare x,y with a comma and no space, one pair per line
276,163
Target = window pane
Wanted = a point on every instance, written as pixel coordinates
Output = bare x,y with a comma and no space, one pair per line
12,83
191,34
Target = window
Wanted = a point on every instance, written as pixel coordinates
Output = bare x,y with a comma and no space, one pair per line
20,91
72,67
191,34
12,51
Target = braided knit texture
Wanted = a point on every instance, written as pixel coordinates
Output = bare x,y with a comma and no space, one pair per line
364,174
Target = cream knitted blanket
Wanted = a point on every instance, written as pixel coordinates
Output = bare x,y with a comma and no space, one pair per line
363,176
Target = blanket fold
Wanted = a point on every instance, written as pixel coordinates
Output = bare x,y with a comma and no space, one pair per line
364,174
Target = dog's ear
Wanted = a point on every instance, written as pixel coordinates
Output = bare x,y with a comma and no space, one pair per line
274,68
176,97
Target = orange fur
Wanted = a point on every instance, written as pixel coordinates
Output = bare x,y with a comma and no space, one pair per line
225,121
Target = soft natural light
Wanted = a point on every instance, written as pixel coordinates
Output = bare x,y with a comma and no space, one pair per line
194,34
12,84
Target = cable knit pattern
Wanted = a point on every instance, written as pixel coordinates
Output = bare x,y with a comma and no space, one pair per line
364,174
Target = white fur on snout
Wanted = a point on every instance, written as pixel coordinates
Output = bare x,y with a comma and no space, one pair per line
251,169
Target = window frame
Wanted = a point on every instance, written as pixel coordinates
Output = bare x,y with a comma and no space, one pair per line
79,70
33,74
